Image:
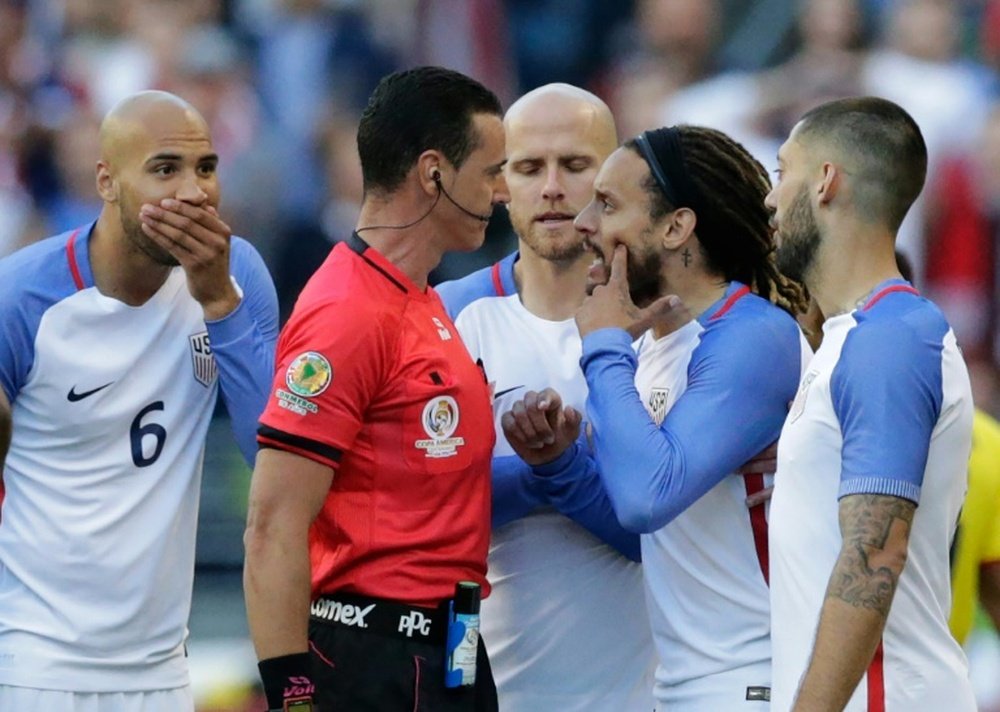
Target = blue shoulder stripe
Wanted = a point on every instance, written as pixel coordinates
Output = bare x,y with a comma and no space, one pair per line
31,281
495,281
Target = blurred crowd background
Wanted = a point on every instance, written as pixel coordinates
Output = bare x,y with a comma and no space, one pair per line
282,83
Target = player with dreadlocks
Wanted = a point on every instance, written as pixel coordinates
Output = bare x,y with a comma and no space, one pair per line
685,264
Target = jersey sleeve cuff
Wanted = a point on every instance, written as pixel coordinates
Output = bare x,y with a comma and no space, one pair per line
559,466
882,486
306,447
232,327
611,339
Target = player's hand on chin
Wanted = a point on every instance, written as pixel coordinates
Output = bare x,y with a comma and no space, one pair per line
539,428
199,240
611,306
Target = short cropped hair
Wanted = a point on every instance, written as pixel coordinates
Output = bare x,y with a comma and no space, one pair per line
417,110
883,145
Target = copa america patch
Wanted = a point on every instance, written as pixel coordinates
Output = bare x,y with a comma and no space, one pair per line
202,360
440,420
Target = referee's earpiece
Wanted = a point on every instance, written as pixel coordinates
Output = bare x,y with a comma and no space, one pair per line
436,175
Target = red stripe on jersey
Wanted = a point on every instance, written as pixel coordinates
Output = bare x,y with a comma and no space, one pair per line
71,257
308,454
876,682
497,280
733,298
888,290
758,523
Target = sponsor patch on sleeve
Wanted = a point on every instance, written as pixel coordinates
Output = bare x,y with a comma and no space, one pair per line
307,376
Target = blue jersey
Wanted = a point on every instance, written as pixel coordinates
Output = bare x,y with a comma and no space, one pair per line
672,419
553,644
111,404
885,408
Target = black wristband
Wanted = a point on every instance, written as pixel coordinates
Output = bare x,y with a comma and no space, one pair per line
286,679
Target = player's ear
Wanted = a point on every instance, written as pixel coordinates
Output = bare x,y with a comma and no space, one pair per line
106,183
677,227
830,185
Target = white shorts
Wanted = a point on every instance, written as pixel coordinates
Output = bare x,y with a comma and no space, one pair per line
747,688
28,699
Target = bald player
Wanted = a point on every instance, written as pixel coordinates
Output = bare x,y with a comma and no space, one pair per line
115,340
565,623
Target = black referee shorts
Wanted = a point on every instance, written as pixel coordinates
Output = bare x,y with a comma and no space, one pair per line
366,670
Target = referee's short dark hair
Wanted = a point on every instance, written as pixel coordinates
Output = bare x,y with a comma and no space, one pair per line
884,149
416,110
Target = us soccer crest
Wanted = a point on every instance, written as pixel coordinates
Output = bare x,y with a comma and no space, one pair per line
799,404
440,420
205,368
658,404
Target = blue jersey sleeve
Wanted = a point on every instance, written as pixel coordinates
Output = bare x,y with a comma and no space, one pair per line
887,392
572,484
243,343
515,493
741,378
31,281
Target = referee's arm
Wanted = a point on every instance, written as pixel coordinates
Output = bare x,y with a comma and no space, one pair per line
286,494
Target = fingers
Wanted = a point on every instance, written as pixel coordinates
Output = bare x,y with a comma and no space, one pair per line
571,422
758,498
619,268
667,313
529,419
188,232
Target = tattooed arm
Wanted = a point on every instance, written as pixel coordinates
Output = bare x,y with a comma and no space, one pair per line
875,531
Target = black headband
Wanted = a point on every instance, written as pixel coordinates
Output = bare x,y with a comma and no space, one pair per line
661,148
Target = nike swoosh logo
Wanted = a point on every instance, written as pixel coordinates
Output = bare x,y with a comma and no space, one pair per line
506,391
73,396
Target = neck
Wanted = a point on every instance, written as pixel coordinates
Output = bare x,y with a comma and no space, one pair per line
551,289
413,249
121,270
697,290
847,268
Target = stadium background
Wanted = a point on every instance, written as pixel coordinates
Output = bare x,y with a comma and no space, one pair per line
282,82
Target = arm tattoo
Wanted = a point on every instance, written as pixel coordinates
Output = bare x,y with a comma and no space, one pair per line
870,524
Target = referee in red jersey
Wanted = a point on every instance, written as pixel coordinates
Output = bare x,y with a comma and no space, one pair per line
370,498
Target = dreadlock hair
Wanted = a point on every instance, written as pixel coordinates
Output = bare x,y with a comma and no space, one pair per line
732,221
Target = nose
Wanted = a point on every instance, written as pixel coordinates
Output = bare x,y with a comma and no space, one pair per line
191,190
585,221
769,201
501,194
553,190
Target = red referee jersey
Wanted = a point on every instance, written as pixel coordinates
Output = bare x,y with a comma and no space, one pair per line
373,380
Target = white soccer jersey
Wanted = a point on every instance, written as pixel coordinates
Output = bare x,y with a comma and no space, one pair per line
671,424
884,408
705,577
564,625
110,407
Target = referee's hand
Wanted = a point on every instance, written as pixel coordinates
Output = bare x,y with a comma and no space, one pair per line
539,428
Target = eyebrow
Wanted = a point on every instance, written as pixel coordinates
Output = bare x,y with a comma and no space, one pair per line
567,158
210,157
